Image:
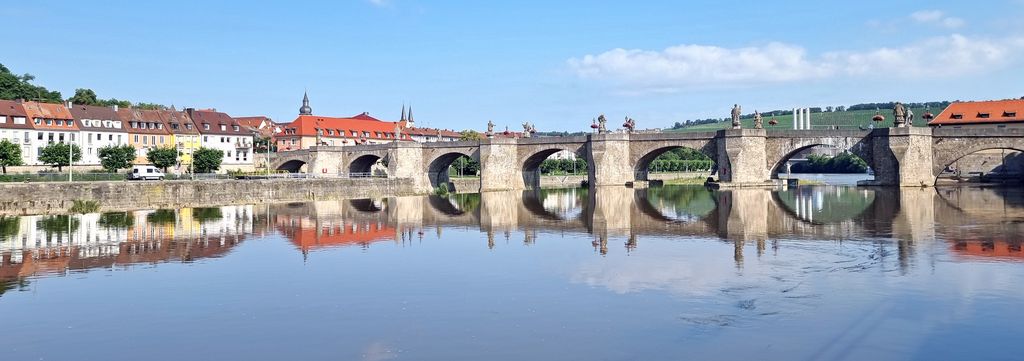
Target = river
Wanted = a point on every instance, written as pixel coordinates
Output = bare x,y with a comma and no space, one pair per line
668,273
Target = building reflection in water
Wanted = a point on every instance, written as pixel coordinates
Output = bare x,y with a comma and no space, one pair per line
47,244
969,222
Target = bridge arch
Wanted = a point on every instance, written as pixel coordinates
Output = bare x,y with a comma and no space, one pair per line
363,164
948,152
530,160
642,165
293,166
437,167
781,150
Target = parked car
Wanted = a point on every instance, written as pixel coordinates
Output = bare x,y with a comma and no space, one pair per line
145,172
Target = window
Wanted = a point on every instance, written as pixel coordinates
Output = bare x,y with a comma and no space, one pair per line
100,136
330,132
136,138
234,127
206,126
174,126
983,115
19,120
49,122
3,119
206,139
159,125
40,135
161,139
36,120
145,140
1009,114
188,126
110,137
223,127
956,116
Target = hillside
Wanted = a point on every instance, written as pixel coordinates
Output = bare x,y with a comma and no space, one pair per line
852,119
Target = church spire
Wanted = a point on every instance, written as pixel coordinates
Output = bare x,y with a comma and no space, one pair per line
305,109
410,114
403,113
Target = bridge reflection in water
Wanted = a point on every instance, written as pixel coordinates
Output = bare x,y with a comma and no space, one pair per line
973,222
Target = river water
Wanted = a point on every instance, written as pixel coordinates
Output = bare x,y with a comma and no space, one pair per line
670,273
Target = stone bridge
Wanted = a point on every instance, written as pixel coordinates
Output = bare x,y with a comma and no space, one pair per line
744,157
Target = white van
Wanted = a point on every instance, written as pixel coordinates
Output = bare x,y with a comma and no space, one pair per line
145,172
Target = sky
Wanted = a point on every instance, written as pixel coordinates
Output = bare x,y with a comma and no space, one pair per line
557,64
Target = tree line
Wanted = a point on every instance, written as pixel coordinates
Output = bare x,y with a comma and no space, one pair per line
937,105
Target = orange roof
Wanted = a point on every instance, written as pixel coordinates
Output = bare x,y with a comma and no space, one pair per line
144,121
306,125
58,112
983,112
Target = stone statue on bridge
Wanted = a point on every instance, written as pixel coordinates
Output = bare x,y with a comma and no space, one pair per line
490,129
736,111
758,120
528,130
398,132
630,124
910,117
601,121
899,115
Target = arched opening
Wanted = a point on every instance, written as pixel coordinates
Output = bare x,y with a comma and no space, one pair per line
451,170
677,204
675,165
367,205
555,168
368,165
556,204
992,165
293,166
822,164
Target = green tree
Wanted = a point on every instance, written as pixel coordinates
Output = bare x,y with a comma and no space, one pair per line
84,97
57,154
117,157
14,86
163,157
207,160
470,135
10,155
150,106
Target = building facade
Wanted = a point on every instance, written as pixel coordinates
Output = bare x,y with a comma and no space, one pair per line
185,137
15,125
146,131
100,127
222,132
51,123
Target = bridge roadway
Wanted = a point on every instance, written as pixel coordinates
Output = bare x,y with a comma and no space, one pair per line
911,157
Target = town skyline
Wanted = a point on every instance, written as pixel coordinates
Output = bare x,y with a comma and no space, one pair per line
657,63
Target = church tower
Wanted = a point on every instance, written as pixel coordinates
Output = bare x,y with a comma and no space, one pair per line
305,109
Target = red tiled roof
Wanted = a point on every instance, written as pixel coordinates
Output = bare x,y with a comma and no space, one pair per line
215,119
306,125
150,121
982,112
365,116
81,112
10,109
253,122
181,118
49,111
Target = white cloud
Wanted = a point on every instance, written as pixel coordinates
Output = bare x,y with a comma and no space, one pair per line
937,17
686,66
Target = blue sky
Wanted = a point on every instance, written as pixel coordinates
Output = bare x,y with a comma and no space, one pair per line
556,64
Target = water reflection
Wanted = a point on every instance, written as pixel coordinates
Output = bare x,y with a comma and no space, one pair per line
677,270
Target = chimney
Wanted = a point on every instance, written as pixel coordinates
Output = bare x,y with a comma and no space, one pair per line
115,107
70,104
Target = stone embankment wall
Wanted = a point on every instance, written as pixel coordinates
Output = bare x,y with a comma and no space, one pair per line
55,197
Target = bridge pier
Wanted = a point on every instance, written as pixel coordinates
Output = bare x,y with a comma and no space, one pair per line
742,159
405,160
608,160
499,170
902,157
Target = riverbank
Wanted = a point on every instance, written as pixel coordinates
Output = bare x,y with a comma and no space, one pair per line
58,198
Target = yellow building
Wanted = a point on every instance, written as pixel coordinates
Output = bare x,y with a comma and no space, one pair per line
184,136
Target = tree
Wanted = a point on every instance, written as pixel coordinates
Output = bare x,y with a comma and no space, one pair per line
113,158
163,157
57,154
207,160
10,155
470,135
14,86
84,97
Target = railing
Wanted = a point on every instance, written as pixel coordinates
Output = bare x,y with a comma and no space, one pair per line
97,177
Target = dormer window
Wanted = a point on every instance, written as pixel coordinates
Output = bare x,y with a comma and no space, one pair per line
174,126
983,115
956,116
223,127
234,127
1009,114
188,126
37,121
206,126
49,122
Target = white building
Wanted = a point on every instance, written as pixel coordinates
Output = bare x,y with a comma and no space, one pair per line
220,131
100,127
51,123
